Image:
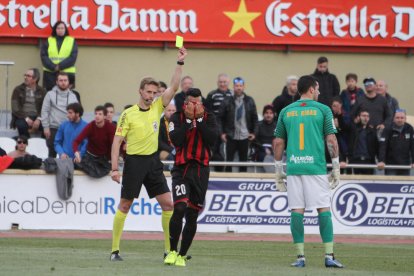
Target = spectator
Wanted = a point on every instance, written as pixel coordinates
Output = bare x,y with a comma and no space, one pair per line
54,109
26,104
265,134
288,96
68,131
100,134
262,150
216,97
328,83
351,93
397,145
238,123
161,89
110,111
363,147
58,54
343,126
213,103
186,83
21,145
165,146
382,89
375,105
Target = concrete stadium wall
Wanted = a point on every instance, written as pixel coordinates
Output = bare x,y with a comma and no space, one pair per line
113,73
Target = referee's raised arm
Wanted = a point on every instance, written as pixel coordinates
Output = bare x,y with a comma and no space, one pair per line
169,93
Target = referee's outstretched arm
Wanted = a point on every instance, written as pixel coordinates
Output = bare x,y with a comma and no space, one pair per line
175,81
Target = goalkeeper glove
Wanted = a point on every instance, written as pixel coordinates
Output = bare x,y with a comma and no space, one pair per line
334,176
280,177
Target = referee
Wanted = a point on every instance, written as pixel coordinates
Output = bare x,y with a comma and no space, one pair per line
139,125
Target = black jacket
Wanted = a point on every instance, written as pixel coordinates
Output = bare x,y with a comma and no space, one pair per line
283,100
328,86
163,142
343,136
265,132
227,114
372,142
392,103
214,100
397,148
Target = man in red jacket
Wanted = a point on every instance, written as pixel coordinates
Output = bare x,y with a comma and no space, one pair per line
100,134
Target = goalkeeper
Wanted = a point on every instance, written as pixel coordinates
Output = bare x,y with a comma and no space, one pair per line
304,125
193,133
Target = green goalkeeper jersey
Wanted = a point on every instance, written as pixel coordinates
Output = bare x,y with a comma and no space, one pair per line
304,125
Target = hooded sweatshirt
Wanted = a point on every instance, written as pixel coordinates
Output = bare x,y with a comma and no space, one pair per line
54,107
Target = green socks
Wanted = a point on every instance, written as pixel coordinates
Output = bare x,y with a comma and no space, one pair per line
326,231
298,232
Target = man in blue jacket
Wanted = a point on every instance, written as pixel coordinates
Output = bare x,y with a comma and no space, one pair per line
69,130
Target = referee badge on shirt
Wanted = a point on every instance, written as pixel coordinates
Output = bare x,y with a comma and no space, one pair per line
171,126
155,126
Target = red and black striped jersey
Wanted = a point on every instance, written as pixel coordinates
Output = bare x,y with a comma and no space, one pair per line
193,140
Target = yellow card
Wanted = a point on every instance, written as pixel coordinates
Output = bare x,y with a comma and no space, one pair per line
179,41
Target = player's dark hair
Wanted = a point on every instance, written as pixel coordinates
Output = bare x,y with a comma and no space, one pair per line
193,92
305,83
54,34
101,108
363,110
75,107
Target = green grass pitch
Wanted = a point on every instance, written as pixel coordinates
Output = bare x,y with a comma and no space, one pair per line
38,256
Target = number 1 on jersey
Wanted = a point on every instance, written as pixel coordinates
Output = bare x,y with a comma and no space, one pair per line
301,136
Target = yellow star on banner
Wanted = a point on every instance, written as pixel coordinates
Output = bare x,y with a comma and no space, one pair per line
242,19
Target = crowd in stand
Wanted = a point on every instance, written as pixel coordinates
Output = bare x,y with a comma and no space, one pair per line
372,128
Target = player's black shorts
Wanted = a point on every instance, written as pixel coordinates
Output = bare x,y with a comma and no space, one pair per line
143,169
189,184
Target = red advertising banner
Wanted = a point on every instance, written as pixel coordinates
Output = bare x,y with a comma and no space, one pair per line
374,23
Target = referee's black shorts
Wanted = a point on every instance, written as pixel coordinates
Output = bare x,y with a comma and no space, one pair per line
189,184
143,169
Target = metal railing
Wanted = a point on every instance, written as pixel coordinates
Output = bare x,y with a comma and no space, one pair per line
271,164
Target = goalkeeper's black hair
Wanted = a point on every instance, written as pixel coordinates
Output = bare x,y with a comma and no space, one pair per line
193,92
